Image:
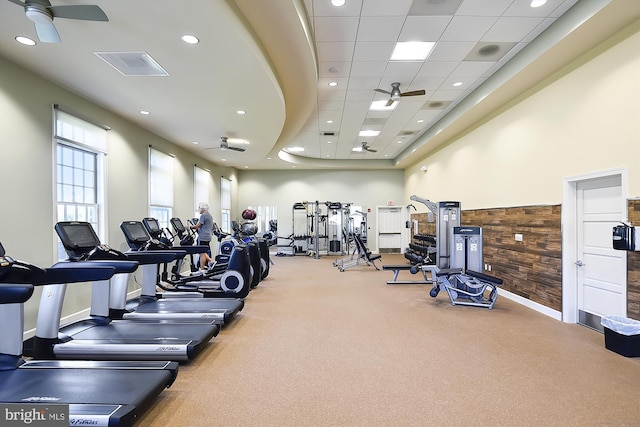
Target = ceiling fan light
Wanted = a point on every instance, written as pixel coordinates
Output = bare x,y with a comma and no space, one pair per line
38,15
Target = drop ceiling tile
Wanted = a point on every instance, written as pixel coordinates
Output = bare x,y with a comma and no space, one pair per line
377,28
424,28
335,51
323,83
402,68
330,105
368,68
360,95
331,95
445,95
467,28
451,51
436,68
511,29
430,7
333,69
484,7
472,68
427,83
373,51
385,7
364,83
336,29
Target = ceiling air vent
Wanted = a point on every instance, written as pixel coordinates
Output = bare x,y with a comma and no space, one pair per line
328,133
133,63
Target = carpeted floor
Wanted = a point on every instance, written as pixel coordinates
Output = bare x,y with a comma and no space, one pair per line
318,347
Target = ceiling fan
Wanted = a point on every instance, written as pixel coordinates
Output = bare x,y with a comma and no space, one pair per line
41,12
364,148
224,145
395,93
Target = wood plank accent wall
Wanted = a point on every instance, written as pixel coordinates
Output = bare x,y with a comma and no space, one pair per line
633,266
533,268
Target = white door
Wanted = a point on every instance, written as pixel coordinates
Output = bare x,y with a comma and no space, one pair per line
390,227
601,270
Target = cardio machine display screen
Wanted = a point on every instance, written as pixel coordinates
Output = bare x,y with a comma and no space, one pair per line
135,232
77,235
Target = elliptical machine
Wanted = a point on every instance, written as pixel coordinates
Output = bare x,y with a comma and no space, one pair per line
245,233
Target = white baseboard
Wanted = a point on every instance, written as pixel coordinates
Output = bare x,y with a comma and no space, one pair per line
555,314
74,317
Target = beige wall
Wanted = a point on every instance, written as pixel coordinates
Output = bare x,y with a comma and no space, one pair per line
284,188
586,121
27,213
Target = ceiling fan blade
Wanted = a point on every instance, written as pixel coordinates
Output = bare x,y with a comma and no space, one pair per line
389,102
47,32
371,150
383,91
414,93
85,12
236,149
18,2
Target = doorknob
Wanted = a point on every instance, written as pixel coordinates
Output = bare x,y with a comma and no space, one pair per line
579,263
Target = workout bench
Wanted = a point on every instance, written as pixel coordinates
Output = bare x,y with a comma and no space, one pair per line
413,269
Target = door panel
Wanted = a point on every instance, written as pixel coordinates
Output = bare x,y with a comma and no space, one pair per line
601,269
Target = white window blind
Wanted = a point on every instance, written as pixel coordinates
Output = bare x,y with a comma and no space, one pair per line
160,186
225,204
200,185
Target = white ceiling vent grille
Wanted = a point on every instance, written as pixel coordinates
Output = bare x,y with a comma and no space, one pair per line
133,63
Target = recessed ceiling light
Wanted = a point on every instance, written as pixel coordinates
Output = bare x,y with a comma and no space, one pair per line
189,39
420,121
268,158
241,112
537,3
369,133
399,142
382,105
329,121
457,84
338,3
25,41
333,84
144,112
329,142
412,51
195,143
224,160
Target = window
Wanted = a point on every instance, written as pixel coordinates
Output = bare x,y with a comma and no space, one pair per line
200,185
160,186
225,204
79,157
264,215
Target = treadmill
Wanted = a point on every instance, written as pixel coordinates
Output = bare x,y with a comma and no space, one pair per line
157,305
228,279
99,337
105,393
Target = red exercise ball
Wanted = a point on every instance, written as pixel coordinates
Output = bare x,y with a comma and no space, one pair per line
249,214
